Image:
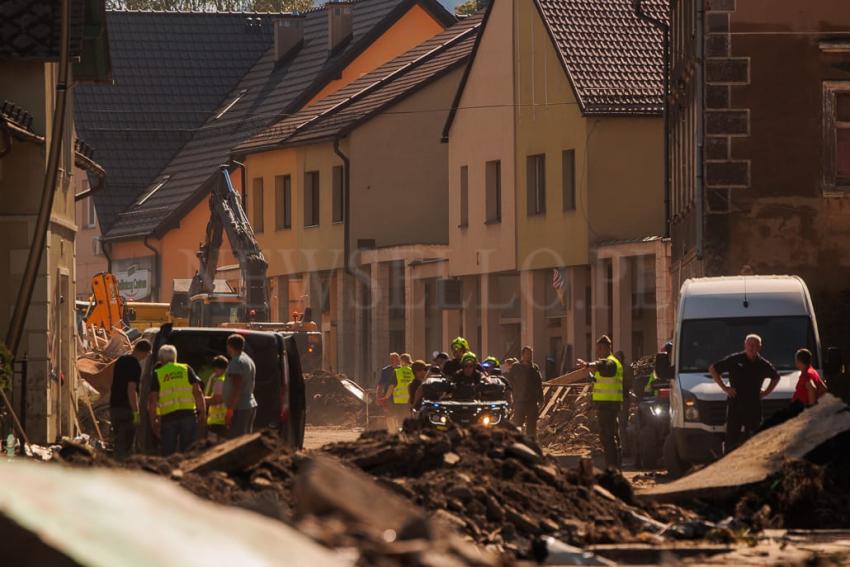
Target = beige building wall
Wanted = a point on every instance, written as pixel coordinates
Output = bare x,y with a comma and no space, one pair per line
549,121
399,179
49,337
626,176
90,259
483,130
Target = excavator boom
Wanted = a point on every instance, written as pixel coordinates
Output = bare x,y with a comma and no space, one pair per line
228,216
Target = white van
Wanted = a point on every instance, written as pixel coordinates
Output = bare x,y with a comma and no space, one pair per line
715,315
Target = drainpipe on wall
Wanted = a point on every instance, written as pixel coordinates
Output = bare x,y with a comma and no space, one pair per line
700,104
346,205
156,267
664,27
106,247
42,223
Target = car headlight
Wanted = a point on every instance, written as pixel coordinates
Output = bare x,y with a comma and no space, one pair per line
438,419
691,411
488,419
657,410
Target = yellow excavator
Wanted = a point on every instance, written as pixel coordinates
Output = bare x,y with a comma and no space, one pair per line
107,309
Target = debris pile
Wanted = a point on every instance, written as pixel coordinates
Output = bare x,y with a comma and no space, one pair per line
497,487
329,403
568,428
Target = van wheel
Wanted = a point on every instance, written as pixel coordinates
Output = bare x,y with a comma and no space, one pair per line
675,466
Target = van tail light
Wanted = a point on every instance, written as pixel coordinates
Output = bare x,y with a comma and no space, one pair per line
663,393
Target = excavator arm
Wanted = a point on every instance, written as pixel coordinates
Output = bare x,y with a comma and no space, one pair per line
227,215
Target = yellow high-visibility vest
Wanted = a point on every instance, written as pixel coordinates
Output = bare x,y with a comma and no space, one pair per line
175,390
403,378
609,388
216,414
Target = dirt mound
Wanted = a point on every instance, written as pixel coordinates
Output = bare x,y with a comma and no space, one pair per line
569,428
496,486
329,403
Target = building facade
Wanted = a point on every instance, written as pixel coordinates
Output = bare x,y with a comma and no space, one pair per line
760,150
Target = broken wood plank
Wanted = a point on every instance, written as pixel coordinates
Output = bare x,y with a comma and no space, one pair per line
232,455
761,456
574,377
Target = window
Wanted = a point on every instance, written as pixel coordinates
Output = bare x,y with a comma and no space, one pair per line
836,166
568,170
91,213
464,197
338,205
493,181
257,204
96,246
283,202
311,198
536,184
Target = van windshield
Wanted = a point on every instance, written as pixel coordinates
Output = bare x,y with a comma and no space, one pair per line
705,341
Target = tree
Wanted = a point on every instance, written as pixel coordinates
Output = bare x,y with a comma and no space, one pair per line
212,5
469,7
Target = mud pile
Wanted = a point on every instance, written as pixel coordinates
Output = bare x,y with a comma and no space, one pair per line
498,488
569,428
329,403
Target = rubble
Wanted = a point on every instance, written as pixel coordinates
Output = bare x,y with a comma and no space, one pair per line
329,403
497,487
568,427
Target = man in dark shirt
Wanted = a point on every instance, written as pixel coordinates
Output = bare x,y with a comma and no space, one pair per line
747,372
124,398
527,386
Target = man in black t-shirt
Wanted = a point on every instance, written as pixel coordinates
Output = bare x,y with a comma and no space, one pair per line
124,398
747,372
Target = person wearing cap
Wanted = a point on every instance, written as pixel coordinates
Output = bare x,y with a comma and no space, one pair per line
526,384
439,359
607,398
460,346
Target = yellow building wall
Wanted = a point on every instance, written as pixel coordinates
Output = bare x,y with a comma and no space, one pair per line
549,121
482,131
414,27
298,249
626,173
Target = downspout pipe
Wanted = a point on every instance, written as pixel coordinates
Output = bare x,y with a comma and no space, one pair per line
156,266
699,188
346,204
48,191
107,251
664,27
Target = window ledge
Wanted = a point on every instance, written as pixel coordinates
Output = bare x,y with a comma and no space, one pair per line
311,226
537,215
282,228
492,222
463,226
338,222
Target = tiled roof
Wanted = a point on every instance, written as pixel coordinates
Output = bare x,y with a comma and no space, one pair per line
368,95
170,71
267,91
31,29
614,60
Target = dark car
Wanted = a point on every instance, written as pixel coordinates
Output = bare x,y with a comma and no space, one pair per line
279,387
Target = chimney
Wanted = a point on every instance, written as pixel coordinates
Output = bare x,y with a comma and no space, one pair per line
339,23
288,35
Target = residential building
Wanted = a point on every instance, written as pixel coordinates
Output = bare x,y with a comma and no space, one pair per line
155,215
44,394
760,146
556,181
348,199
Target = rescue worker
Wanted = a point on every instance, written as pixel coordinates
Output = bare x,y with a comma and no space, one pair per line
526,385
398,394
124,398
469,373
214,398
607,398
492,366
176,403
649,389
460,346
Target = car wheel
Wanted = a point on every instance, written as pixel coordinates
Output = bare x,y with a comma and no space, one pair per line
675,466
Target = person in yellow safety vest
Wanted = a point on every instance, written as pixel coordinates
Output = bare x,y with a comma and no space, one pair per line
214,397
399,394
176,403
607,398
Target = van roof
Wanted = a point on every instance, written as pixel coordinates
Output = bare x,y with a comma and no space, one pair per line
708,298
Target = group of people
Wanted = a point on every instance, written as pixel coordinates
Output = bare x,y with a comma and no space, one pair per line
181,407
747,371
399,392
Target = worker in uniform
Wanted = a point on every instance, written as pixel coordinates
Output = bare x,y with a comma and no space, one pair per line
176,403
607,398
398,395
214,398
460,346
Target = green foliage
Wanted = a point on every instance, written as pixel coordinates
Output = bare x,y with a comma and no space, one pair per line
469,7
213,5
